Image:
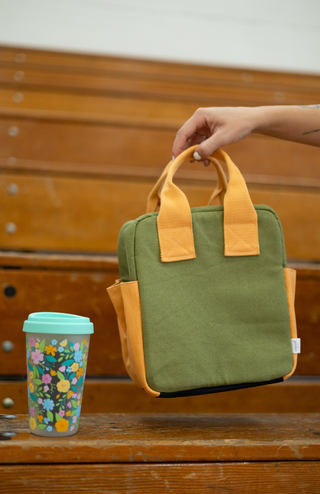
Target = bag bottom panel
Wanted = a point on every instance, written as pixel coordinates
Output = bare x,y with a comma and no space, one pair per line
216,389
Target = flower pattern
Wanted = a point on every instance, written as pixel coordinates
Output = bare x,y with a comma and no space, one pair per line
56,373
36,356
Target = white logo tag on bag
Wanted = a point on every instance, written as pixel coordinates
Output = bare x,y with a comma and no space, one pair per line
295,345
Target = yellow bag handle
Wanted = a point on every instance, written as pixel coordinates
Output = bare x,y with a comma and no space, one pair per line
174,221
154,200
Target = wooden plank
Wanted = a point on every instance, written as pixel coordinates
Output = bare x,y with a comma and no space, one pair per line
73,261
95,108
76,214
184,90
85,148
308,316
83,291
62,62
297,395
76,284
124,108
111,438
123,151
307,308
72,291
299,477
294,396
84,214
294,208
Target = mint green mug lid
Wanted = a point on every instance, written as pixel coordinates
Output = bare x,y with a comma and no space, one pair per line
57,322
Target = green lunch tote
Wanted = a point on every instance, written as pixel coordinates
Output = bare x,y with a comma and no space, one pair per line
206,300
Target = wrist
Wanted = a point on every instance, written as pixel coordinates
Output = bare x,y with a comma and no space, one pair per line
266,119
260,119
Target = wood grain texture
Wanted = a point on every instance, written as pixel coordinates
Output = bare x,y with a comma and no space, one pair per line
86,214
127,109
92,135
96,108
161,438
178,80
45,60
74,71
60,147
186,90
297,395
307,309
77,284
298,477
298,211
45,260
76,214
74,292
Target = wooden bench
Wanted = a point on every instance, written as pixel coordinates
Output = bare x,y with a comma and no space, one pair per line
83,139
165,453
47,282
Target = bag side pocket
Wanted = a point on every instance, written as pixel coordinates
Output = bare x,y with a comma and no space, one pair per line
290,281
125,298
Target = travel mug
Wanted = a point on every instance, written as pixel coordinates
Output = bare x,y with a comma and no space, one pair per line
57,355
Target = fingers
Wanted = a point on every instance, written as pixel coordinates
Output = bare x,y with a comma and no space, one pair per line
195,139
188,131
220,126
204,128
209,146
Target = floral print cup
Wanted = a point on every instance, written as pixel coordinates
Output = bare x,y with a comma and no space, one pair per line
56,369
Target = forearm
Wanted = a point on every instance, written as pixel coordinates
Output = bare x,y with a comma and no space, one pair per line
293,123
212,128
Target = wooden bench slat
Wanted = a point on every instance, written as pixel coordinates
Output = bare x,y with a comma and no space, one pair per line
84,214
184,90
91,108
89,298
81,292
110,438
74,261
77,284
136,110
186,478
61,62
297,395
124,151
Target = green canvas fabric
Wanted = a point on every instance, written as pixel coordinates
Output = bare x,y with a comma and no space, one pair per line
212,320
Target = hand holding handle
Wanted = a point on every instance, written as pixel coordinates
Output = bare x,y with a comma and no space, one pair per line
154,200
174,221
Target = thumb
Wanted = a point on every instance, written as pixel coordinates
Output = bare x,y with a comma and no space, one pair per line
207,147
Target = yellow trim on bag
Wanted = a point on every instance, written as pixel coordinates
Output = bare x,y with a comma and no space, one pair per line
290,281
125,298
